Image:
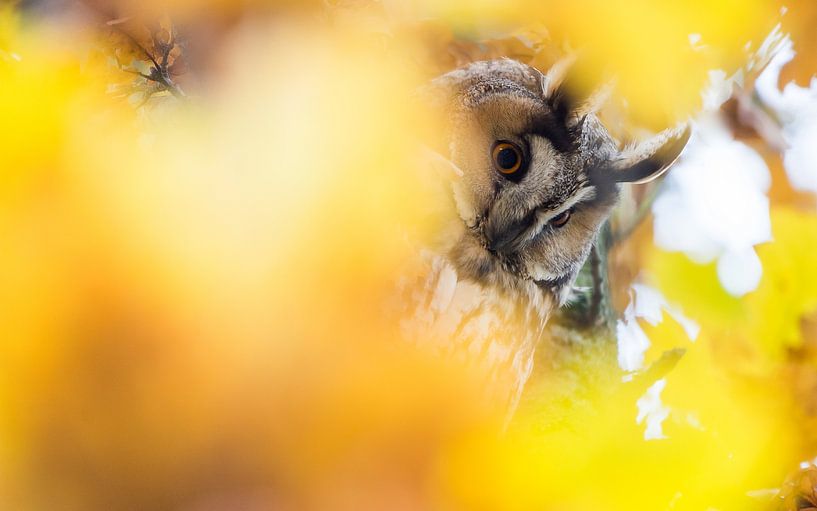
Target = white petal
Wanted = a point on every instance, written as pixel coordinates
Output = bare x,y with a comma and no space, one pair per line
648,303
691,328
632,344
740,271
675,233
651,409
800,160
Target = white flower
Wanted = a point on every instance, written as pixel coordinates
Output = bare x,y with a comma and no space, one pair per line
714,205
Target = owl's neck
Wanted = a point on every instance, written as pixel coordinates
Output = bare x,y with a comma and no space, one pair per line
474,262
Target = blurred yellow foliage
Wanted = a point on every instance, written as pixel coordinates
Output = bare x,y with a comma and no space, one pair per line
658,52
192,310
787,293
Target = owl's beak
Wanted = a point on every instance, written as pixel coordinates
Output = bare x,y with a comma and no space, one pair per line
508,237
500,243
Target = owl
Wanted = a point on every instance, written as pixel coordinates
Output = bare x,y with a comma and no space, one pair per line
533,176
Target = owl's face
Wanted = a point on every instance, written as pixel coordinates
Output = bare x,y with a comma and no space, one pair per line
538,177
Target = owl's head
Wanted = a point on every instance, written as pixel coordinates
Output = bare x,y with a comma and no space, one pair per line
538,172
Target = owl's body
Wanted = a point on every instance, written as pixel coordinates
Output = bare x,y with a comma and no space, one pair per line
533,176
476,322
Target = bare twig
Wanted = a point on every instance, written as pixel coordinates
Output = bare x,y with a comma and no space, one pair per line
160,66
159,73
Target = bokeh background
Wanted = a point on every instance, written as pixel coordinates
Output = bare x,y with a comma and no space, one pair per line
206,206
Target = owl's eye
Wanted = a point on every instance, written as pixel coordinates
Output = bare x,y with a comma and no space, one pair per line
507,158
561,219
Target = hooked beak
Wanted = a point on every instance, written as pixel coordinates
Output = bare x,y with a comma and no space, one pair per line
508,238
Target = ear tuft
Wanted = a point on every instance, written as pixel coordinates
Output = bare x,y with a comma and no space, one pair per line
649,159
556,76
594,102
560,92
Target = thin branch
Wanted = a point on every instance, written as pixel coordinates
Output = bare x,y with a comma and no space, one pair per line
159,72
598,284
138,73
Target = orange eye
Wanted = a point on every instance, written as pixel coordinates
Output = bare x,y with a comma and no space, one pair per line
507,158
561,219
